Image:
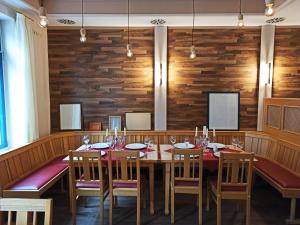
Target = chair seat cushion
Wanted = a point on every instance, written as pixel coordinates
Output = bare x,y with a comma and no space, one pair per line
186,183
91,184
214,183
121,184
40,177
278,173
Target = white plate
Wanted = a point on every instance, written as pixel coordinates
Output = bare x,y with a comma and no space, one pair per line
219,145
103,153
135,146
100,145
184,146
142,154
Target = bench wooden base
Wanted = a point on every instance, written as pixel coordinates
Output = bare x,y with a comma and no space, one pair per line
291,193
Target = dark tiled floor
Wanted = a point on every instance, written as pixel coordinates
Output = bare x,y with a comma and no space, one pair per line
268,208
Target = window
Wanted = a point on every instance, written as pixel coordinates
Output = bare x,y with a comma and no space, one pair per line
3,137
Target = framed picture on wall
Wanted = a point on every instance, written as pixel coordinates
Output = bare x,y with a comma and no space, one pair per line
224,110
115,122
138,120
70,116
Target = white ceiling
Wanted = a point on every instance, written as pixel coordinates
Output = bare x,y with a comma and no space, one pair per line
289,10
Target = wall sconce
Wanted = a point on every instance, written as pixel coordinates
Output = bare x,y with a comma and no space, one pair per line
160,74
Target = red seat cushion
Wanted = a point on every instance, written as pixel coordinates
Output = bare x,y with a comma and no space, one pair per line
214,183
121,184
186,183
278,173
91,184
40,177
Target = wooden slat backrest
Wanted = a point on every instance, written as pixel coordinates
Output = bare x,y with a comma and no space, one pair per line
124,166
235,169
187,165
23,206
85,166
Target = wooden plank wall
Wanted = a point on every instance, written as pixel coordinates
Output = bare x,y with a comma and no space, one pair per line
227,60
286,80
99,75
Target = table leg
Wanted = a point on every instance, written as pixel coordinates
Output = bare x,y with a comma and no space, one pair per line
151,184
167,188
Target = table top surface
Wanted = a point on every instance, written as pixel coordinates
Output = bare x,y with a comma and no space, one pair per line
158,156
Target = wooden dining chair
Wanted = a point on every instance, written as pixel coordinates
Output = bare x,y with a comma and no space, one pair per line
124,178
19,208
233,181
186,177
86,179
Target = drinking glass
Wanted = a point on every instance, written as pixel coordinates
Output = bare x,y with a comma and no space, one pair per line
186,141
86,140
240,145
146,141
173,140
234,142
109,141
150,144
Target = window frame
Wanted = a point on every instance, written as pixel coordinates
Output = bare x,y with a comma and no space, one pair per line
3,130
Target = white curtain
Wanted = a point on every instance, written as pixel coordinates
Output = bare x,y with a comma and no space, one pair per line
26,81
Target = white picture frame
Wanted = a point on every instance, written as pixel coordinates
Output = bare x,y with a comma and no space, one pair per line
138,121
115,122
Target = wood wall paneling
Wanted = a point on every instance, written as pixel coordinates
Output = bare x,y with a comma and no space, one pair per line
99,75
227,60
286,79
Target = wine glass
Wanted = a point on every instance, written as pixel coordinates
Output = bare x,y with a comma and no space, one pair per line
186,142
146,141
120,142
109,141
150,144
240,145
86,140
234,142
173,140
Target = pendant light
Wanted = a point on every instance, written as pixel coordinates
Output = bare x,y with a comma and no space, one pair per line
193,50
241,16
82,30
128,46
269,8
43,16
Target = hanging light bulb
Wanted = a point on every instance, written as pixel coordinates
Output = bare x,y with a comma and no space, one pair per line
82,35
43,17
82,30
269,8
241,20
129,52
241,16
193,52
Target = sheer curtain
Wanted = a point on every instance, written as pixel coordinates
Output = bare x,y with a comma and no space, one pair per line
26,81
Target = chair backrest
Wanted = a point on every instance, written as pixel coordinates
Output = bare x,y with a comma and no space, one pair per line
187,165
235,170
22,207
95,126
86,167
124,166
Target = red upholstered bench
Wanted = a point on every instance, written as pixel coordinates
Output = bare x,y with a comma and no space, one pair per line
286,182
35,184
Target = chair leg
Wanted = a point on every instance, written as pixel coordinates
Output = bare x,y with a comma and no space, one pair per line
200,208
111,199
248,211
138,210
207,196
73,209
219,210
172,206
292,219
101,209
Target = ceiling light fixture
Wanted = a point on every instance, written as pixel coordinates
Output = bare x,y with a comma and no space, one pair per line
43,16
82,30
193,50
269,8
128,46
241,16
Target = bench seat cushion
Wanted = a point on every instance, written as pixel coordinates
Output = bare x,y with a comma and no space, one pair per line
40,177
278,173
